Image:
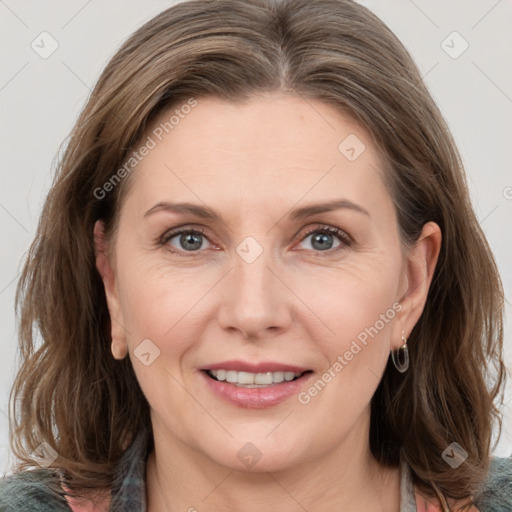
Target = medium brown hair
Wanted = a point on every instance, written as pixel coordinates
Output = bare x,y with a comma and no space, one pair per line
72,394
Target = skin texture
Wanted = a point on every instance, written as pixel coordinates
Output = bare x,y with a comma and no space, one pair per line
295,304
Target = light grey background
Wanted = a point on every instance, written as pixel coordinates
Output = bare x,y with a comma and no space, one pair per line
40,99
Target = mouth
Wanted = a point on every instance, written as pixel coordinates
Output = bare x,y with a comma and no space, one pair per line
255,385
244,379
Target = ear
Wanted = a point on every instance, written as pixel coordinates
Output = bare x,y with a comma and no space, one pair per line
419,270
105,268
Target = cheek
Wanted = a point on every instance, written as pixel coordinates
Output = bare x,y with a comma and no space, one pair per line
159,306
366,309
355,356
164,304
352,299
358,307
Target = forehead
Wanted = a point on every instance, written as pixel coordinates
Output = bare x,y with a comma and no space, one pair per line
273,147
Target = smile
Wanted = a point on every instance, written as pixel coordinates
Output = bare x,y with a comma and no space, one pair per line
255,386
253,380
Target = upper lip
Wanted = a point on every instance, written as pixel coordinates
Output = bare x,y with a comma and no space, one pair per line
263,367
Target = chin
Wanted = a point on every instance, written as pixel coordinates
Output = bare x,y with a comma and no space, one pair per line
257,456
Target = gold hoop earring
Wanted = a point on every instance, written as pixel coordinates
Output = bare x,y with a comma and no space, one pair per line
395,356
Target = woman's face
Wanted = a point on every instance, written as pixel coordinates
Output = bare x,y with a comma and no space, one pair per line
264,283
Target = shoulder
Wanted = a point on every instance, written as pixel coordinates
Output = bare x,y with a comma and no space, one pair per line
496,495
34,491
40,490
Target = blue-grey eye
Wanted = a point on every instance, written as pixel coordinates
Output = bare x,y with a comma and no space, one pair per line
186,240
322,239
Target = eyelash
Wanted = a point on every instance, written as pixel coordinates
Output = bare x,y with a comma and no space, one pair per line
343,237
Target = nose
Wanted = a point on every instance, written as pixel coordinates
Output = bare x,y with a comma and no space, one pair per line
255,299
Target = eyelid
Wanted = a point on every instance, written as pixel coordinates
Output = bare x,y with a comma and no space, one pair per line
333,230
179,230
187,228
345,239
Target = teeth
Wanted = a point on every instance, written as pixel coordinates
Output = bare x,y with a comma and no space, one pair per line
248,378
232,376
253,380
263,378
278,377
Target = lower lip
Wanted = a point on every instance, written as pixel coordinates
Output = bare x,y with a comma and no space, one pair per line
256,398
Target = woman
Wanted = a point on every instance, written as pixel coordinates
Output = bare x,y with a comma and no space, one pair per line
259,282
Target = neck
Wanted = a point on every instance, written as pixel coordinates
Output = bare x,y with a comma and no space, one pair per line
347,478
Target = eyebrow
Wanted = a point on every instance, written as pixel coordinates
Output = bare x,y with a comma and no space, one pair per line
297,214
